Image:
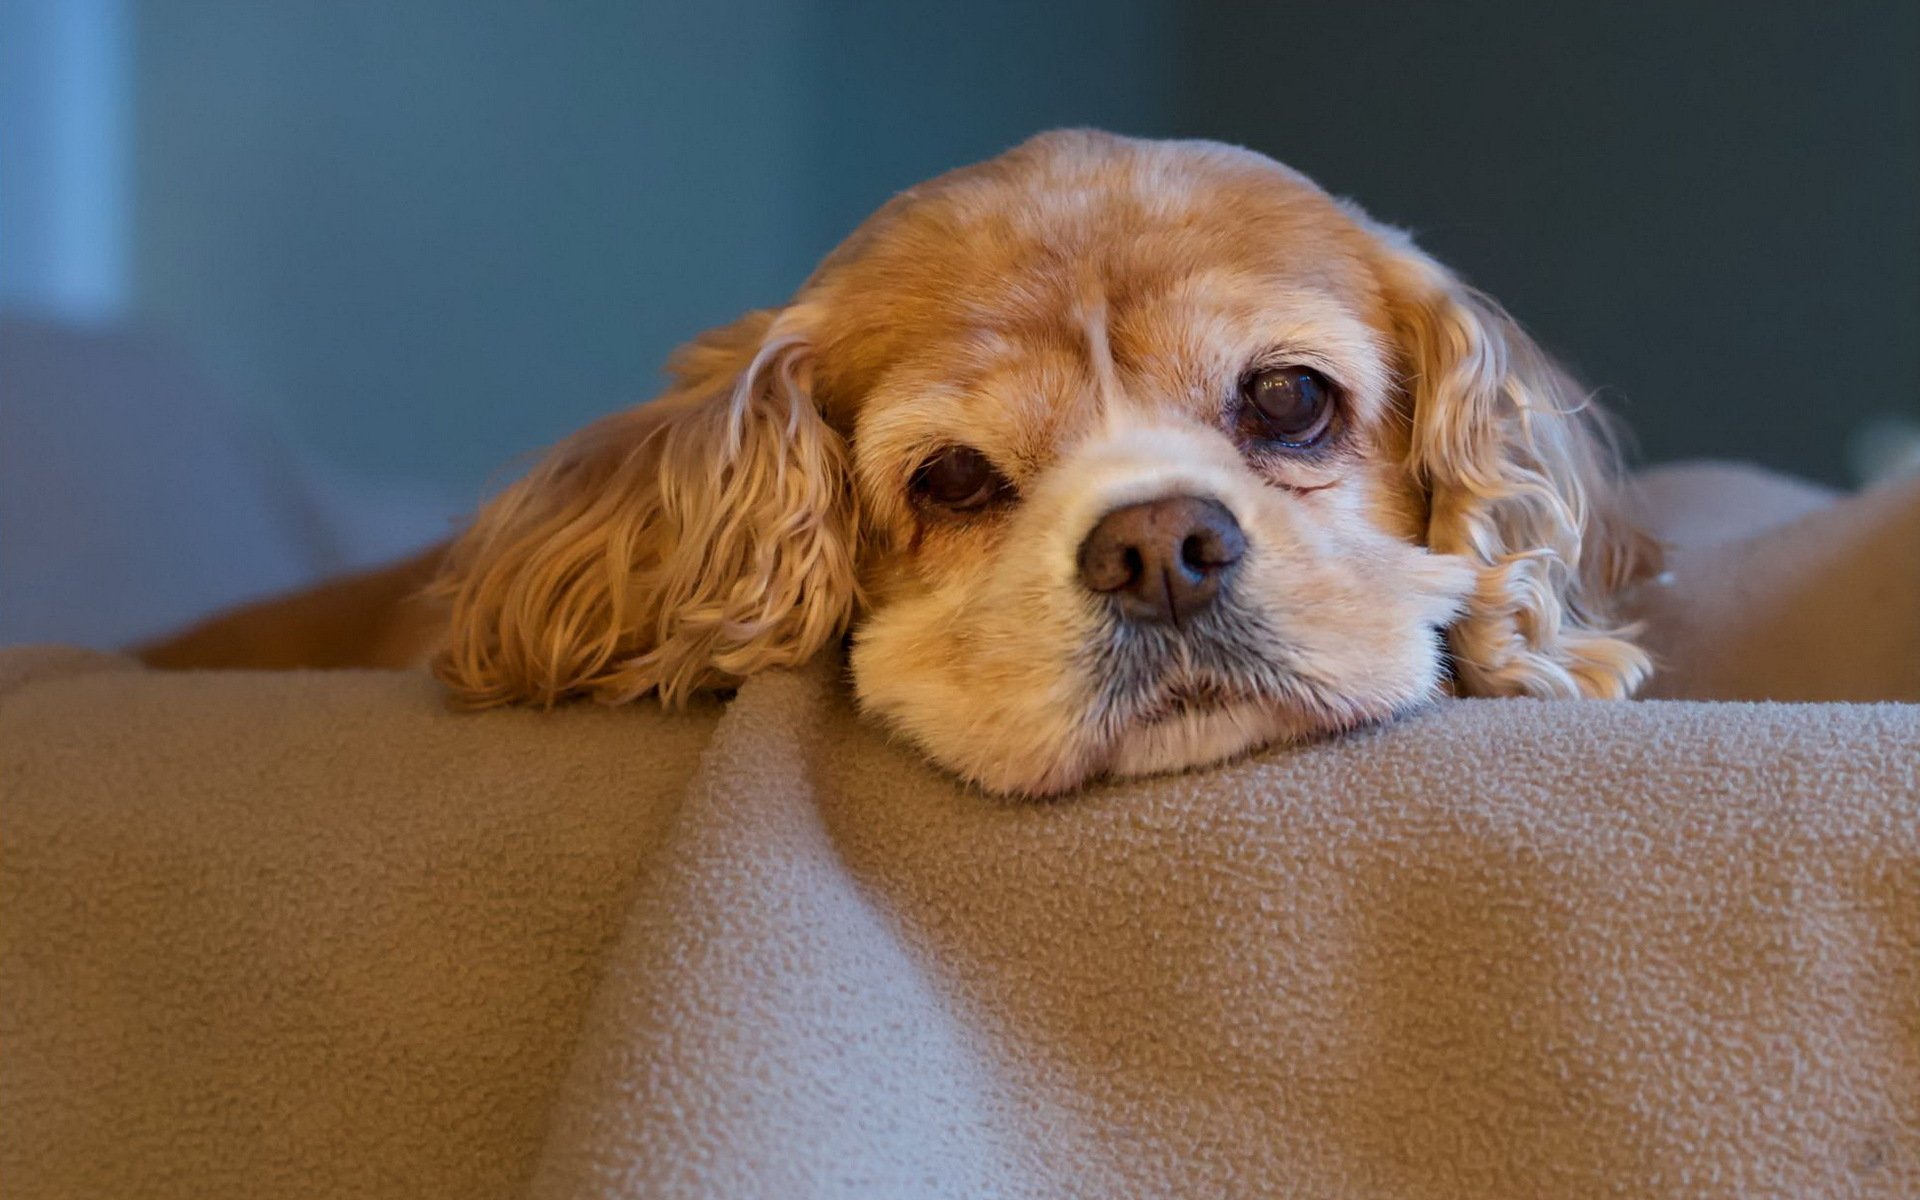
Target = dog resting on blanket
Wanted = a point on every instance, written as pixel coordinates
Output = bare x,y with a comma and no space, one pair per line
1113,457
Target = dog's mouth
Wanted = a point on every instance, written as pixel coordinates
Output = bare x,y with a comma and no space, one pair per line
1169,701
1224,659
1195,722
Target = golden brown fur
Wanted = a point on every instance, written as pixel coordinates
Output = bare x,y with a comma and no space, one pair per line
375,618
1079,310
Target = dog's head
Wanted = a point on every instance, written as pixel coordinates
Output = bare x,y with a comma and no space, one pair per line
1114,456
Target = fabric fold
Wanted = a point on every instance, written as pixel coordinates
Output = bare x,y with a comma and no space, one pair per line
313,935
760,1029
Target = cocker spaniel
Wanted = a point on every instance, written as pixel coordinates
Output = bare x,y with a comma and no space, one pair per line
1112,456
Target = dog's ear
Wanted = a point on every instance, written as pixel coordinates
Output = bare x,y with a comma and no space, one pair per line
1522,477
684,543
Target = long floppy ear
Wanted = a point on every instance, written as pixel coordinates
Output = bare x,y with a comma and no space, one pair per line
1521,476
684,543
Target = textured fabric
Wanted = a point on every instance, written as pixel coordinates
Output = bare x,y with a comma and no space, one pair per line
1773,594
310,935
1707,503
301,935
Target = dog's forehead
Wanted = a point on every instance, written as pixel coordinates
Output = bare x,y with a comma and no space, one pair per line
1007,263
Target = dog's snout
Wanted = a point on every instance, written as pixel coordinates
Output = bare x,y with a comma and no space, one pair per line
1162,560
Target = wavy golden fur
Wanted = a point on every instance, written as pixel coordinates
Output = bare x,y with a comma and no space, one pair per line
684,544
1522,476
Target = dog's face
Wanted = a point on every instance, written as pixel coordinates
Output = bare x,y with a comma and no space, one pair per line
1115,456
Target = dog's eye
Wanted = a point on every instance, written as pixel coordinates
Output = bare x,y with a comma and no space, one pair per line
959,478
1289,405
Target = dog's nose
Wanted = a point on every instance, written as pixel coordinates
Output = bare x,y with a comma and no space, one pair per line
1164,560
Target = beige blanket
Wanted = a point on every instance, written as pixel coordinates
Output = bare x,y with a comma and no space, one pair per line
311,935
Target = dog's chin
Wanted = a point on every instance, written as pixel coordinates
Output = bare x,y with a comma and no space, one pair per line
1199,736
1193,732
1179,733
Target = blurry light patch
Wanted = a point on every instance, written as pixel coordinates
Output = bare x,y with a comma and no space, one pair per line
1885,447
64,219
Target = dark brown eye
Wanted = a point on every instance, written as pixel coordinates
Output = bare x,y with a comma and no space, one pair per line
1289,405
959,478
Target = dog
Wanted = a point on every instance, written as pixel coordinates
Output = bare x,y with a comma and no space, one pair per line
1112,457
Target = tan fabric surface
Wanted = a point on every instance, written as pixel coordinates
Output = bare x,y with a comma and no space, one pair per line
1773,595
310,935
1707,503
302,935
307,935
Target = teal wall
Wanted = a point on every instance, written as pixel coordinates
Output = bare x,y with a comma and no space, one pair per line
429,235
1710,208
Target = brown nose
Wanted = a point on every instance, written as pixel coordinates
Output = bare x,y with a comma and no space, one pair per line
1164,560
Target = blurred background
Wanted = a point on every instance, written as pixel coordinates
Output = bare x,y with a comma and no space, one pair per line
286,286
